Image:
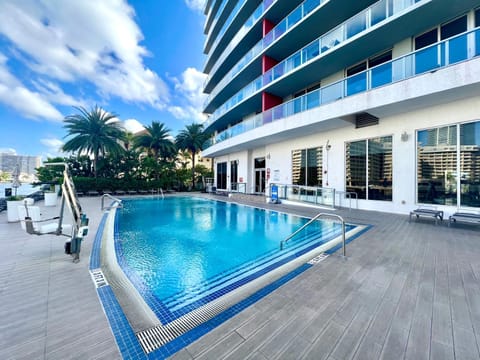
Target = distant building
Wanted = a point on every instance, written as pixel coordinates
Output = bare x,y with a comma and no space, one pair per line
27,164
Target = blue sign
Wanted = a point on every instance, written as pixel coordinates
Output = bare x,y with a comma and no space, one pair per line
274,193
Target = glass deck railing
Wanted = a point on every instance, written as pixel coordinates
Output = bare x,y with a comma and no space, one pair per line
378,12
310,194
456,49
281,28
227,23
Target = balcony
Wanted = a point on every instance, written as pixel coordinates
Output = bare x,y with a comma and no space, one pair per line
315,17
250,23
460,49
373,17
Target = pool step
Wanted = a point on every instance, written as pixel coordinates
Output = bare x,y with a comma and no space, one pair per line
228,280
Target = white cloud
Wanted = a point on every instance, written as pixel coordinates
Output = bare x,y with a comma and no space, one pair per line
71,41
133,126
190,96
195,4
54,94
53,146
9,151
30,104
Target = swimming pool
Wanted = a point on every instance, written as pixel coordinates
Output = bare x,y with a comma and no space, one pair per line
185,255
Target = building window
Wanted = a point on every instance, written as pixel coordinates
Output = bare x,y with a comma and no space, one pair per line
448,159
369,168
307,167
222,175
260,173
380,75
431,58
234,175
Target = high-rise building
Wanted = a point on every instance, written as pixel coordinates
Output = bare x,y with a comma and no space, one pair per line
26,164
387,93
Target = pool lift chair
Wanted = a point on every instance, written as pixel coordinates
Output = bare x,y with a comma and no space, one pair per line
78,230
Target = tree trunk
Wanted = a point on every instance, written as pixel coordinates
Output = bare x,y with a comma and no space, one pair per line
95,158
193,171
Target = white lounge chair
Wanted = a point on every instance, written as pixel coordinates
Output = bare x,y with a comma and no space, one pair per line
31,222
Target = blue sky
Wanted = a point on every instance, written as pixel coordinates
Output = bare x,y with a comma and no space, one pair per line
140,59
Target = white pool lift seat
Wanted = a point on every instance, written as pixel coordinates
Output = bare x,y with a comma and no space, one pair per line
32,223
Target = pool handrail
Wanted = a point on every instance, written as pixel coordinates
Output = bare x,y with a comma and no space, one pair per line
316,217
116,200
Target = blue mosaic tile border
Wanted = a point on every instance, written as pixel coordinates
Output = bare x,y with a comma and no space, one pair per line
125,338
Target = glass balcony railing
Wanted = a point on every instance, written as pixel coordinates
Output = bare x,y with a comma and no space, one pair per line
257,14
281,28
378,12
227,23
217,15
456,49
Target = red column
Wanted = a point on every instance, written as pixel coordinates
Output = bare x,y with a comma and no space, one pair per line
268,63
268,100
267,26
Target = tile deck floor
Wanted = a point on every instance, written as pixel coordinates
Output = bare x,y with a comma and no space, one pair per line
405,291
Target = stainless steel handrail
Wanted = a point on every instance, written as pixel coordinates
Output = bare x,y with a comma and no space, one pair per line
117,200
338,217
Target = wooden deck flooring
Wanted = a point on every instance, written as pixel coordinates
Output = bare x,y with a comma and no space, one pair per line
405,291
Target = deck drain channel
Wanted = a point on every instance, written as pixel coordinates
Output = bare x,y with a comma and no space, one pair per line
155,337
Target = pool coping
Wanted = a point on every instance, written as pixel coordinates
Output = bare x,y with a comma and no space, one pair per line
125,336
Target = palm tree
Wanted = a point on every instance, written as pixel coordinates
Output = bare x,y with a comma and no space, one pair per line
156,140
191,139
94,132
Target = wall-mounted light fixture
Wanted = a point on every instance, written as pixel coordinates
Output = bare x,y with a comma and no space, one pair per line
404,136
328,146
268,156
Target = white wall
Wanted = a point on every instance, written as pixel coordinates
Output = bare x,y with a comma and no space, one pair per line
404,152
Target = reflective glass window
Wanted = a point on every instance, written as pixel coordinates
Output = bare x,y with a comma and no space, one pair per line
437,165
307,167
470,164
222,175
356,168
380,168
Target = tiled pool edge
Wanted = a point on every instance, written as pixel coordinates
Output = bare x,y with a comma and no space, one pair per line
126,340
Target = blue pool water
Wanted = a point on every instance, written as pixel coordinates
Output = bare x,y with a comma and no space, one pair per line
183,249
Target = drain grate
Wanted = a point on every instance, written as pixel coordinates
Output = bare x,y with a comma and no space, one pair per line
155,337
318,258
98,278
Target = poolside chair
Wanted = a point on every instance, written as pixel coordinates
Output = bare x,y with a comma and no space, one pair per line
427,210
31,222
465,216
